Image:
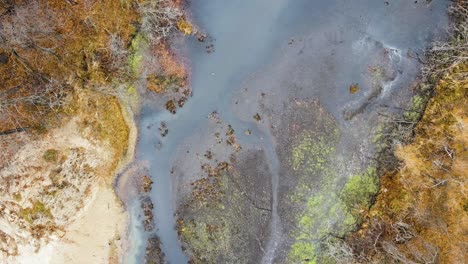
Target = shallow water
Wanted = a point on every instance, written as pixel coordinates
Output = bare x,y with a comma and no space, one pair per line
286,50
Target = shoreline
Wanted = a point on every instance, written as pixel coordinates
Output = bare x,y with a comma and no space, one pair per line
105,193
98,231
128,115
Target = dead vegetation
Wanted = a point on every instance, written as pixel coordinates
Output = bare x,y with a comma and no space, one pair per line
445,55
65,68
420,214
51,47
159,19
54,47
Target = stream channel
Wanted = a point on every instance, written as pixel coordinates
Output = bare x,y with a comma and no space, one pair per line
278,69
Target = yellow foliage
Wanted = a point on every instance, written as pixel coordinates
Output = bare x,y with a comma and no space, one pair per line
184,26
75,52
101,116
353,88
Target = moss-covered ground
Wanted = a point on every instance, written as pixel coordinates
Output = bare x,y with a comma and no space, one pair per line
220,223
320,204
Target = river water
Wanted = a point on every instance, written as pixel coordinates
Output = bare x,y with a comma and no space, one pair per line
266,53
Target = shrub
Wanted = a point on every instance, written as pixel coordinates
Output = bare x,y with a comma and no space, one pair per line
51,155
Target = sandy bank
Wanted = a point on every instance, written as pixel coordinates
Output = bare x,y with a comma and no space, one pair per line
95,237
58,201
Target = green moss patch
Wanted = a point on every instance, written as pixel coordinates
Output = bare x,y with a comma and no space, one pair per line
328,213
210,225
360,189
416,108
311,153
50,155
312,156
38,210
304,252
136,58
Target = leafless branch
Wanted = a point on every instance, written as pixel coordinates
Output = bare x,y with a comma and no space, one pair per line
159,19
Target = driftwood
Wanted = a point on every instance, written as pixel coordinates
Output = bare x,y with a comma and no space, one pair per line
14,130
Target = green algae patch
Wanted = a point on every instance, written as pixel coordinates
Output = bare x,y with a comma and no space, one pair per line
304,252
310,156
319,205
311,159
325,214
213,232
211,236
131,90
135,62
220,222
416,108
328,213
311,152
358,192
138,44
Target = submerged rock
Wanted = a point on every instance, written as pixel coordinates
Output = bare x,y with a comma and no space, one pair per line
153,252
146,184
147,208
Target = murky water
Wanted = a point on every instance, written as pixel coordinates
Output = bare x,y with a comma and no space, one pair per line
267,53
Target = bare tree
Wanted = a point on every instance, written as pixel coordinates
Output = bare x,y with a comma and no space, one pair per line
118,51
159,19
29,35
444,55
338,250
393,251
28,26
